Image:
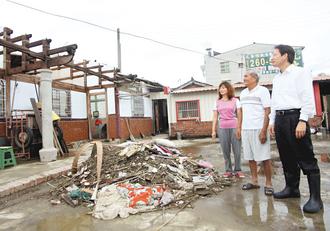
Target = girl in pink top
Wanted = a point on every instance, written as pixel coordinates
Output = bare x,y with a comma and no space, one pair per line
224,112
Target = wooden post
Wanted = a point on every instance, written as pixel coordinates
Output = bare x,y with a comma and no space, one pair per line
88,103
6,67
107,112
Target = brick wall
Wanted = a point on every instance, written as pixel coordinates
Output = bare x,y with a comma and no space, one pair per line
74,130
2,129
137,125
77,129
191,128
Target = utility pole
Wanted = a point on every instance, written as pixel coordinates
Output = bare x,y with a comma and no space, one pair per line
117,108
118,50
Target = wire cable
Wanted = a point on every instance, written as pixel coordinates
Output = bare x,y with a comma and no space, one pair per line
113,30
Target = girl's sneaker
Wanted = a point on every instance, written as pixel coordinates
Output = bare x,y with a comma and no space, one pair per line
227,174
239,175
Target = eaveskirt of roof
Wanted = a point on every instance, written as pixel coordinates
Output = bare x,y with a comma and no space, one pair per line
196,89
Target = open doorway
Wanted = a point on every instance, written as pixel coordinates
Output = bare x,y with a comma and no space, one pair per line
98,101
160,116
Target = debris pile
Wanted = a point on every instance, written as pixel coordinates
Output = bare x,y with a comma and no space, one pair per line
138,177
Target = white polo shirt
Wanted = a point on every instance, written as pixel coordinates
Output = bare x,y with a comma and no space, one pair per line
253,104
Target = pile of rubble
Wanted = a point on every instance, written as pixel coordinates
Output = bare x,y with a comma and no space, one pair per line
137,177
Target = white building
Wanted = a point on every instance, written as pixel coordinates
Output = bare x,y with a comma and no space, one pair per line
231,65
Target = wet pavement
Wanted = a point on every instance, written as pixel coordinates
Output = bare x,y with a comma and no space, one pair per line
232,209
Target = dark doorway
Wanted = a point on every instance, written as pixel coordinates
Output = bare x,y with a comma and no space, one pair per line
160,116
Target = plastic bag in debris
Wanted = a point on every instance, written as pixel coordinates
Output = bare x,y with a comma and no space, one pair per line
78,194
140,196
183,172
186,185
208,180
166,198
125,144
72,188
110,204
204,164
165,142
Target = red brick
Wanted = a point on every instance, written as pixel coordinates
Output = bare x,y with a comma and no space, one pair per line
191,128
137,125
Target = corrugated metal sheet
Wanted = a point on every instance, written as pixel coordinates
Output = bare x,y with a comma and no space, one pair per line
197,89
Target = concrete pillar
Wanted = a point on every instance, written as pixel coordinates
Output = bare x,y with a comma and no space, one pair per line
48,152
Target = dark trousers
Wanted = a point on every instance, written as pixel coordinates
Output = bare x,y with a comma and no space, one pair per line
295,154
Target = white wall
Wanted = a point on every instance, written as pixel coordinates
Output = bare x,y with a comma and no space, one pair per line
124,103
24,92
206,103
78,105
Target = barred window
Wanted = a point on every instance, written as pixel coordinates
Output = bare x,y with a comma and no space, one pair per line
137,102
224,67
62,102
137,106
187,109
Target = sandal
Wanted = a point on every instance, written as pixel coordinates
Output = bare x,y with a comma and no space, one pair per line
249,186
269,191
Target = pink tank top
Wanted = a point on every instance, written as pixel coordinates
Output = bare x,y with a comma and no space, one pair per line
227,113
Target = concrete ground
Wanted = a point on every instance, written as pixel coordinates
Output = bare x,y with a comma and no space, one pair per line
232,209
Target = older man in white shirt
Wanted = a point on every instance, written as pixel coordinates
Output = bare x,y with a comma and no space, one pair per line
292,104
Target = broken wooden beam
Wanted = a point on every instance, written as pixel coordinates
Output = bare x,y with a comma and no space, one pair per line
15,47
90,72
69,78
20,38
95,87
39,43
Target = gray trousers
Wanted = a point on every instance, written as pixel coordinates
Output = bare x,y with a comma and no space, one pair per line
228,140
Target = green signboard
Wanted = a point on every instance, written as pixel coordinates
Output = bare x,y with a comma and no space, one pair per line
261,62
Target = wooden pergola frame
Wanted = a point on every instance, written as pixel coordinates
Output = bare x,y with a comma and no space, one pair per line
24,66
